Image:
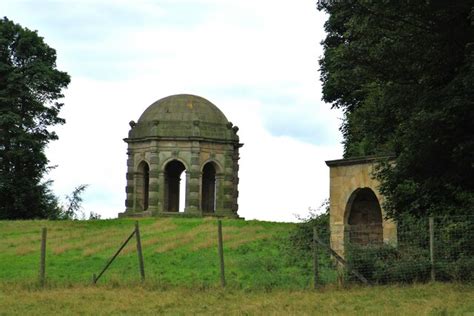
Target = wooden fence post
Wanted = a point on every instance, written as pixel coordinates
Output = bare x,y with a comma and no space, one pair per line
221,251
42,273
432,260
315,259
139,252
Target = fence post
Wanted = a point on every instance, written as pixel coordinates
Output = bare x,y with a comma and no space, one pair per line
43,257
221,251
315,259
139,251
431,224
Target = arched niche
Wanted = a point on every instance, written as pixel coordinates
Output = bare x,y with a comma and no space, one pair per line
364,218
142,185
173,177
209,188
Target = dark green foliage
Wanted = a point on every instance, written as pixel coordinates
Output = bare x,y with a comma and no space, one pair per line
94,216
299,251
388,264
403,73
30,84
461,269
409,261
267,267
454,248
302,236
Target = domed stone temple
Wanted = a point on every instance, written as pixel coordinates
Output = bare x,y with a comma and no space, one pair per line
183,158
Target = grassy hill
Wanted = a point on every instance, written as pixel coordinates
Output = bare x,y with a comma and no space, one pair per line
177,251
182,273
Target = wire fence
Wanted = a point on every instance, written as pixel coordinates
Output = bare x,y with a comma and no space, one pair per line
426,249
436,249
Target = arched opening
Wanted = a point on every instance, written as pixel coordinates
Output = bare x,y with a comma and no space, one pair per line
173,177
364,218
143,185
208,203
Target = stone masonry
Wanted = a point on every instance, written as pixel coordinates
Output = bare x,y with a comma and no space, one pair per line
182,138
356,213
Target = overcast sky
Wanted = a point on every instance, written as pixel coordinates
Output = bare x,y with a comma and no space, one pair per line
257,60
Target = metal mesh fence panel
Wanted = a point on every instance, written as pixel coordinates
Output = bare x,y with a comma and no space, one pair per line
453,254
444,252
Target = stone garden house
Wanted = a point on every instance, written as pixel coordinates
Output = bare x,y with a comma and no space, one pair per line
182,138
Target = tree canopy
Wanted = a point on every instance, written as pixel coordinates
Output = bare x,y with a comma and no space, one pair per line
403,73
30,87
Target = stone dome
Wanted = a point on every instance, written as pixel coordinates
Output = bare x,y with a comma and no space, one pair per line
183,107
183,116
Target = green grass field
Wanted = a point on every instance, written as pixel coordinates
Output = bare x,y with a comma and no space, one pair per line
421,299
177,252
182,273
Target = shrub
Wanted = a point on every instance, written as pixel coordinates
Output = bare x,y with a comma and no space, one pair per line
409,261
302,236
298,248
386,264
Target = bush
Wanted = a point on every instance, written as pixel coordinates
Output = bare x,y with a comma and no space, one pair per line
386,264
301,238
409,261
298,248
406,262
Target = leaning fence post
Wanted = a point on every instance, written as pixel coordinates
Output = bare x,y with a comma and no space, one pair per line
431,224
221,251
139,251
43,257
315,259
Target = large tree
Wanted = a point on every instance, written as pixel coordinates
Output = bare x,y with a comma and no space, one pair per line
30,86
403,73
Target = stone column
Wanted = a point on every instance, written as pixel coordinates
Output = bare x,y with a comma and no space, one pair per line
192,194
193,203
227,186
139,191
219,192
153,192
130,188
162,188
154,186
235,180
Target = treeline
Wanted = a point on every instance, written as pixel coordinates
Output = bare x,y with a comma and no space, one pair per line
403,74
